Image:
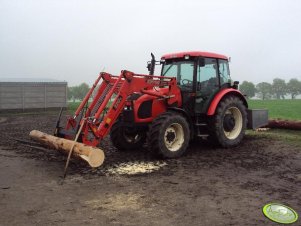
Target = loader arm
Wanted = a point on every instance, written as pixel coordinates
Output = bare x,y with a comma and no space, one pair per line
112,97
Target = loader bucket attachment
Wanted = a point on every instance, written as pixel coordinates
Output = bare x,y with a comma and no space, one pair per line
92,110
63,139
82,126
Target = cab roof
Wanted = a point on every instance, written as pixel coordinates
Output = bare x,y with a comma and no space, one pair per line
193,54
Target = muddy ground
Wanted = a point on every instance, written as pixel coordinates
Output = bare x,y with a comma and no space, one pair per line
208,186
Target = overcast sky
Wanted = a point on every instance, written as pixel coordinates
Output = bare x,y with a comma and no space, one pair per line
73,40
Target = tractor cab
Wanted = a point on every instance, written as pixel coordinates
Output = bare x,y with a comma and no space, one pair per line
200,75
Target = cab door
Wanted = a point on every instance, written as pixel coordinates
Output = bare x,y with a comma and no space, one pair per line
207,84
184,71
186,82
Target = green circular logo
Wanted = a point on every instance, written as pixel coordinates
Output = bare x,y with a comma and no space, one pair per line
280,213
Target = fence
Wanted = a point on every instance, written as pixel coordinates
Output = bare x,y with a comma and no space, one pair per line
30,95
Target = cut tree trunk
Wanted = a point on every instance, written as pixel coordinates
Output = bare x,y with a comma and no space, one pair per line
284,124
94,156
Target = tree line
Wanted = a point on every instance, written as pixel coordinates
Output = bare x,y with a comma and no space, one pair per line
278,89
263,90
77,92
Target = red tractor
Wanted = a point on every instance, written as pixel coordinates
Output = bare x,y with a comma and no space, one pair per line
193,97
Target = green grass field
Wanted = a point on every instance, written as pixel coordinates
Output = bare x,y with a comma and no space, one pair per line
72,106
284,109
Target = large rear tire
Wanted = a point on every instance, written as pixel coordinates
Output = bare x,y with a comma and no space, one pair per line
229,122
127,138
169,135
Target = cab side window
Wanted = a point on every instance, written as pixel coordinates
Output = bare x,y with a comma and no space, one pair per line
224,72
183,70
186,72
207,76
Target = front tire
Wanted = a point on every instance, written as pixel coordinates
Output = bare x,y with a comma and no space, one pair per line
127,138
169,135
229,122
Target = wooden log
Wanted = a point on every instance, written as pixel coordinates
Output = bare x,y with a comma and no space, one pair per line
284,124
94,156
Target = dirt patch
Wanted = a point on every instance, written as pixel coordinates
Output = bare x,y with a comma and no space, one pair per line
207,186
2,119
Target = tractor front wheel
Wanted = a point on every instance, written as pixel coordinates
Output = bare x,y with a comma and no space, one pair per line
127,138
169,135
229,122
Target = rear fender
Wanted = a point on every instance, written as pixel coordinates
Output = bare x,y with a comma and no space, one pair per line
223,93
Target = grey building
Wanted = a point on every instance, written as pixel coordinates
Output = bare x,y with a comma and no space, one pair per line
24,94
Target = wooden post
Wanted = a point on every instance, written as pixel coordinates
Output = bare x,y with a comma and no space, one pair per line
92,155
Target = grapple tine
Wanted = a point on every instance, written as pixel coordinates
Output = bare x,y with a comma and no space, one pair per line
58,122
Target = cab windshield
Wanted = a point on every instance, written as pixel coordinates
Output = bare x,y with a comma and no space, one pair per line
182,70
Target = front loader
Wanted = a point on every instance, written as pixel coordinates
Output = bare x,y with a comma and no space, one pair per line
193,97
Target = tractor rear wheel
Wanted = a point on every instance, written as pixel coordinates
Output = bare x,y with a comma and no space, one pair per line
229,122
169,135
127,138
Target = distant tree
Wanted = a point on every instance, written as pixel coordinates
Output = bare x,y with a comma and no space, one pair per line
79,92
279,88
247,88
70,93
294,87
264,90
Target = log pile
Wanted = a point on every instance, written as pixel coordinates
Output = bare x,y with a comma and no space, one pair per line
284,124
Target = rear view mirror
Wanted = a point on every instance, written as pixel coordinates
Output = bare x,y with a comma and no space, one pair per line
235,84
201,62
149,65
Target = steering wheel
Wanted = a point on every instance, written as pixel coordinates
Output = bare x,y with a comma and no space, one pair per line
186,82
